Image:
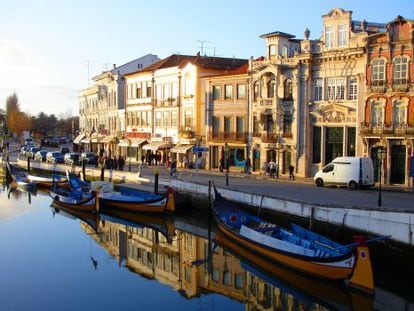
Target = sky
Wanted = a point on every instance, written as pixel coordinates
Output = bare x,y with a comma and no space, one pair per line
49,48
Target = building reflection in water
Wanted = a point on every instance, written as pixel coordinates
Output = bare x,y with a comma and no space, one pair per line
181,264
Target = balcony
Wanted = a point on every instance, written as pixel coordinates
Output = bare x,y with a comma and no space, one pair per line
167,102
240,137
400,85
187,133
270,138
264,103
378,86
389,130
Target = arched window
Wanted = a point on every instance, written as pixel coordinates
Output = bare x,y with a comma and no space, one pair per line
378,72
271,88
377,113
400,70
255,90
287,89
399,113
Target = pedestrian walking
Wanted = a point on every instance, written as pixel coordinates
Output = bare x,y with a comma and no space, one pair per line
221,167
142,159
272,169
247,166
291,170
185,162
173,169
121,163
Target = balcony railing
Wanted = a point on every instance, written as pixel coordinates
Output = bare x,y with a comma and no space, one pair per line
400,85
391,130
378,86
270,138
227,136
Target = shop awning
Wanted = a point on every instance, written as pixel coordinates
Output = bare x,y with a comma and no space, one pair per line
108,139
181,148
135,142
78,138
85,140
159,145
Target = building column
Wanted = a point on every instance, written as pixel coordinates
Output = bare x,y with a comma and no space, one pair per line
323,145
345,143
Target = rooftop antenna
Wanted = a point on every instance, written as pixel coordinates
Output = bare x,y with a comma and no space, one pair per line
202,42
88,63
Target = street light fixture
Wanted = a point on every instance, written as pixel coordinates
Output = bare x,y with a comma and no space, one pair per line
381,156
278,147
129,155
226,150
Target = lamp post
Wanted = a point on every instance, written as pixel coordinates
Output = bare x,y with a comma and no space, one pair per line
278,147
226,150
129,155
381,157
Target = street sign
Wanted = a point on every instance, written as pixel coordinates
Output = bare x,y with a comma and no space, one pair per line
200,149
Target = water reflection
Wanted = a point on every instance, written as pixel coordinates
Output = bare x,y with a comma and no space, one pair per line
183,263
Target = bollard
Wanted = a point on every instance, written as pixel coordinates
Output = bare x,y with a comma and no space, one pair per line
83,170
156,183
28,164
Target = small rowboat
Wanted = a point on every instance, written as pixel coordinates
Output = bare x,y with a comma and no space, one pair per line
298,248
78,200
138,201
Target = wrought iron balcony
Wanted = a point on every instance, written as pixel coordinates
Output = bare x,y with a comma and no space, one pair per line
390,130
400,85
378,86
270,138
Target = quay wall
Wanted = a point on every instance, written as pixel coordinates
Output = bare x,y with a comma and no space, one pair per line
399,225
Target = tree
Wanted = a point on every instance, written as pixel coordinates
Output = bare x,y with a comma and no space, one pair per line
19,122
12,105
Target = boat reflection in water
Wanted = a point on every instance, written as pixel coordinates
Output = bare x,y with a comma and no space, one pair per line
173,252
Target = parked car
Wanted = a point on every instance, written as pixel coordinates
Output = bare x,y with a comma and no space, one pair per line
64,150
72,158
31,152
353,172
55,157
89,157
41,155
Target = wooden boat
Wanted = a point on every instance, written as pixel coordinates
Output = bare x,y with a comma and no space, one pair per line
305,287
19,176
92,219
138,201
163,224
298,248
73,199
47,182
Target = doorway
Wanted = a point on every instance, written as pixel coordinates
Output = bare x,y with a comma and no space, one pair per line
397,164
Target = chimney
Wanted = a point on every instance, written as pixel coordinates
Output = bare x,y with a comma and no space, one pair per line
114,65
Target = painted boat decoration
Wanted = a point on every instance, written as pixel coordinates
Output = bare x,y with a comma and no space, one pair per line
19,176
77,200
298,248
133,200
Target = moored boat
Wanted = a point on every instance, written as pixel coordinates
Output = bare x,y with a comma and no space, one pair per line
47,182
78,200
19,176
298,248
133,200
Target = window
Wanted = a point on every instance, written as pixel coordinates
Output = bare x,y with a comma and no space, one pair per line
149,90
271,88
351,141
287,89
241,91
158,118
238,280
227,124
188,85
399,113
328,168
188,121
139,94
335,88
318,89
226,277
377,114
255,90
216,92
174,118
158,92
166,91
284,51
240,125
129,91
329,36
353,88
228,91
400,70
378,71
174,92
255,124
342,35
287,124
166,119
334,143
272,50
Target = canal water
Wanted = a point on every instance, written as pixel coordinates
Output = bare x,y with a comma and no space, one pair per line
52,259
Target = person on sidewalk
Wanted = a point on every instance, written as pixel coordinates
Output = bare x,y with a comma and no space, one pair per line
272,169
173,169
247,166
291,170
221,167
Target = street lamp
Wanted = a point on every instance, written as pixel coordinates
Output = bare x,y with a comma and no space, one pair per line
129,155
278,147
381,156
226,150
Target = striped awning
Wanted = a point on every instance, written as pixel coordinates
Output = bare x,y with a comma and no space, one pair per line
135,142
85,140
181,148
78,138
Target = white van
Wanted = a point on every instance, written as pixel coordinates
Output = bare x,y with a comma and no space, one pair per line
350,171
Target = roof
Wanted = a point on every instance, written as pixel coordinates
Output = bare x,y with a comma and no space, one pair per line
277,33
206,62
235,71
